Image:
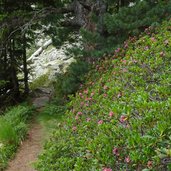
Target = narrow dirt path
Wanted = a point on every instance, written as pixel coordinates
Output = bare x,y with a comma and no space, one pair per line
31,147
28,151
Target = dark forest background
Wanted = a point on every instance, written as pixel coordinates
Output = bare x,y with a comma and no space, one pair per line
102,26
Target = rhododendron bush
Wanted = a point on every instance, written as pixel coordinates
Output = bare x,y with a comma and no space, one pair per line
121,118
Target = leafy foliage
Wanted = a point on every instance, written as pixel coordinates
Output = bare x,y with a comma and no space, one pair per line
120,119
7,133
40,81
69,82
103,24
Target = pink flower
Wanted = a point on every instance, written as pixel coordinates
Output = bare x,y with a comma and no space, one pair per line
105,95
76,117
105,87
119,94
125,70
87,99
87,104
79,113
80,94
149,164
162,54
111,114
107,169
74,128
116,151
146,48
153,39
88,119
86,91
117,50
82,103
124,61
100,122
126,45
123,118
146,29
127,159
92,94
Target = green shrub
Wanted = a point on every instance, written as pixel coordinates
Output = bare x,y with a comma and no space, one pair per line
50,117
69,82
6,152
40,81
52,111
7,133
121,118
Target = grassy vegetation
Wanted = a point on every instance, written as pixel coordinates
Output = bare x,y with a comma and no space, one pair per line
121,118
50,117
13,130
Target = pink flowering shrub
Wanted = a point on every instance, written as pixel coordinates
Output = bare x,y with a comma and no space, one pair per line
116,151
111,114
100,122
125,117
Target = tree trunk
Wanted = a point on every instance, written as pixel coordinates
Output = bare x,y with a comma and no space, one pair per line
5,63
25,70
102,8
14,78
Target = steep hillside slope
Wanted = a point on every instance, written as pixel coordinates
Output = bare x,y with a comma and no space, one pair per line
121,118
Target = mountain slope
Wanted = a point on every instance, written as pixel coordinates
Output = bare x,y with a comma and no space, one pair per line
121,118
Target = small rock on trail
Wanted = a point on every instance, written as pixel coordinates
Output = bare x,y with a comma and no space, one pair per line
40,101
42,96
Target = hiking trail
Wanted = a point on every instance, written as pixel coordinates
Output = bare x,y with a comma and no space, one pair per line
30,148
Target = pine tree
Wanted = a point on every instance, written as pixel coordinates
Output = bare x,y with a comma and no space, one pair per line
102,24
15,17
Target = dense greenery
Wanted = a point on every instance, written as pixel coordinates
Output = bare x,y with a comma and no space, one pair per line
102,25
120,119
118,24
68,83
13,130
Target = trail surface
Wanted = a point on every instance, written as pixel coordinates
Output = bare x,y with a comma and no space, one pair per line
28,151
32,146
